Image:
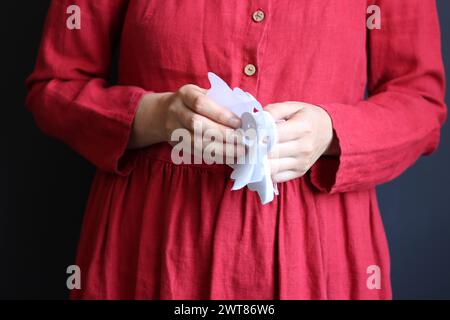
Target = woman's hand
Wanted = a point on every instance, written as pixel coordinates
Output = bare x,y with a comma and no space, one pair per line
160,114
306,134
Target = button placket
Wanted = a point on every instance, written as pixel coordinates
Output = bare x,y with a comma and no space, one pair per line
259,11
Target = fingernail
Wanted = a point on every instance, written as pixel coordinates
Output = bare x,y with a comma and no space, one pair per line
235,122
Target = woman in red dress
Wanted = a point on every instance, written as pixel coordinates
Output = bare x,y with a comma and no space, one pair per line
156,230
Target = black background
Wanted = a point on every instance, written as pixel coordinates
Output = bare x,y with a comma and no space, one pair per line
45,186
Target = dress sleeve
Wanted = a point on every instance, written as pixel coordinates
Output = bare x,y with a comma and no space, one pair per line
382,136
67,92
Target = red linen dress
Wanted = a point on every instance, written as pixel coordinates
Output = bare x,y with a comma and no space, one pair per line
156,230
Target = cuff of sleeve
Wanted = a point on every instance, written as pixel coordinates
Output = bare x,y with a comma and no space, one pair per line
122,160
330,173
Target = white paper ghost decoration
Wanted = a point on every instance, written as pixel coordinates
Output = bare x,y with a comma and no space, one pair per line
255,171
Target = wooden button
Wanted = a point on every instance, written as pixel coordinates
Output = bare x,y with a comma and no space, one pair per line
250,69
258,16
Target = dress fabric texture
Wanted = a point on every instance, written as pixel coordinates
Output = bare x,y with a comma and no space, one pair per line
156,230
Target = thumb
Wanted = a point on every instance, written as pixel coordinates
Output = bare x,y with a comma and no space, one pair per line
283,110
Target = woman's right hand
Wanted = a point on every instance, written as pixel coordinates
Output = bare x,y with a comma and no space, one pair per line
160,114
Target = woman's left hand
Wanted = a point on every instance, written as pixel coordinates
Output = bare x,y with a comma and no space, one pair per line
303,137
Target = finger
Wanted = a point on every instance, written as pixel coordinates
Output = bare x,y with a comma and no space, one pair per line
200,103
214,148
285,149
283,110
227,147
229,160
285,176
201,125
190,87
282,164
207,149
221,152
290,130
